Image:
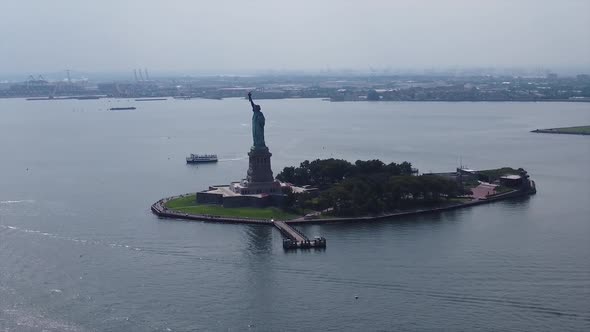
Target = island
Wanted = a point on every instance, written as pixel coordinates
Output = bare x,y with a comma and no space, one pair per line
579,130
336,190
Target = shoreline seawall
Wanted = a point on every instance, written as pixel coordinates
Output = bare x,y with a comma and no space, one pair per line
159,209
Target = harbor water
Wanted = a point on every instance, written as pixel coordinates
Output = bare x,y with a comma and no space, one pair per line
81,251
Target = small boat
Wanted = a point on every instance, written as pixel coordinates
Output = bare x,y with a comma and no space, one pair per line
121,108
201,158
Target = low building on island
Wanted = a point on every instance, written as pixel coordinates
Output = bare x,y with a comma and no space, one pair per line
484,184
512,181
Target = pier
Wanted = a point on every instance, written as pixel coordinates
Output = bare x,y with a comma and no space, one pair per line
294,239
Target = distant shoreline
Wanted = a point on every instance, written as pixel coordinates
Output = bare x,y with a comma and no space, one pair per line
164,98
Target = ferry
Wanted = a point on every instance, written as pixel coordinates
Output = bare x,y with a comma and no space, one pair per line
201,158
121,108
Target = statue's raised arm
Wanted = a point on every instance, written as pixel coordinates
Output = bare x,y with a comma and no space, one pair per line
250,99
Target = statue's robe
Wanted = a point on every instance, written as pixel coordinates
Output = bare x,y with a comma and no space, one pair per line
258,129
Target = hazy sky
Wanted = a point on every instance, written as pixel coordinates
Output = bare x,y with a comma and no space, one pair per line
194,35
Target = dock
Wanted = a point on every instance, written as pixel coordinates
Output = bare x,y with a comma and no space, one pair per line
294,239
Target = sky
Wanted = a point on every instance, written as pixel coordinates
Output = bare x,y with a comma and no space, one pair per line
235,35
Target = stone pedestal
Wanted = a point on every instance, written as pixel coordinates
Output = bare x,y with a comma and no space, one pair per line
259,179
259,167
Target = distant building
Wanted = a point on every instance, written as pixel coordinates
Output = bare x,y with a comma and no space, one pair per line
512,181
552,76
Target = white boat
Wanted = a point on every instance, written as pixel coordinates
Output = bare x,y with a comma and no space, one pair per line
201,158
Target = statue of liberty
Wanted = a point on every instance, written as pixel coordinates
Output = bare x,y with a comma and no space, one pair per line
257,124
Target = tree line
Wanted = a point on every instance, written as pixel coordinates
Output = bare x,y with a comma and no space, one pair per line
365,187
326,172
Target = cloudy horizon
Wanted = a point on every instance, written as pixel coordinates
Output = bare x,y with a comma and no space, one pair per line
233,36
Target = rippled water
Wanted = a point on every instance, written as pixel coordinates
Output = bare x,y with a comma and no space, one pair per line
80,251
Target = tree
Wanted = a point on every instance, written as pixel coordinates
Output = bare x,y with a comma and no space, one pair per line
373,95
287,175
365,187
369,166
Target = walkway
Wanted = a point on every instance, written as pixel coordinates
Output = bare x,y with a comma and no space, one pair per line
295,239
289,231
484,190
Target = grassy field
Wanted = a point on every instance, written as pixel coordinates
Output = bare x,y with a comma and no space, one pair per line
502,189
580,130
189,205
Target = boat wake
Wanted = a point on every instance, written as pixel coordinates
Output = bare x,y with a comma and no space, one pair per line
232,159
25,320
66,238
18,201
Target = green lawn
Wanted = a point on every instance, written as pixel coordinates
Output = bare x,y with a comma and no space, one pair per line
182,201
188,204
502,189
